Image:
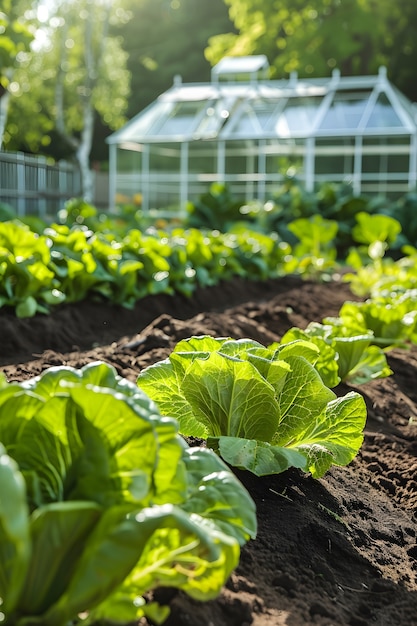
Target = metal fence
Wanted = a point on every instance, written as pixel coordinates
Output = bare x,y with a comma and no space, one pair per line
32,185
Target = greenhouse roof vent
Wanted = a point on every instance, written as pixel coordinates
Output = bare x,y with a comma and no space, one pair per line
250,68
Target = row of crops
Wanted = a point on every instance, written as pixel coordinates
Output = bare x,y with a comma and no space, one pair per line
109,257
101,499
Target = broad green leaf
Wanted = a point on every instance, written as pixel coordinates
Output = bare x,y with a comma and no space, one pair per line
202,343
375,228
164,386
186,551
257,402
89,440
102,454
240,347
48,384
373,364
27,308
303,398
299,347
335,436
114,437
350,351
213,492
327,361
14,532
125,606
58,533
20,426
231,398
259,457
274,372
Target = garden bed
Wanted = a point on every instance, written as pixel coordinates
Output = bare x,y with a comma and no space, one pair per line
339,551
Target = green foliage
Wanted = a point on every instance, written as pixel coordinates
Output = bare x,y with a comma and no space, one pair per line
290,204
216,209
372,270
315,254
16,37
64,264
404,210
108,504
391,318
262,409
78,66
378,232
345,355
107,256
314,37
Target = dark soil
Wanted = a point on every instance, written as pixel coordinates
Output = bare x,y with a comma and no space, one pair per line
339,551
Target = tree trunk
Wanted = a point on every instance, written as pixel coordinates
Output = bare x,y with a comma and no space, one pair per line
93,57
4,107
83,154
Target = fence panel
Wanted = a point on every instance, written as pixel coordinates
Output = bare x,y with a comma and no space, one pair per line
33,186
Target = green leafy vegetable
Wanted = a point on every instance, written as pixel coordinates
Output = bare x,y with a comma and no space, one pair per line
262,409
346,353
391,319
101,500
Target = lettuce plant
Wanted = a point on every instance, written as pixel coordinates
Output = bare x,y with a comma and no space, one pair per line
316,252
101,500
391,318
347,353
262,409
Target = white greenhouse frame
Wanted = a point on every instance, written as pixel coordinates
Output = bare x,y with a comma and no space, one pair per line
251,133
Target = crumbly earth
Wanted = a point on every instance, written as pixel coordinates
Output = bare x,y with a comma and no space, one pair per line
339,551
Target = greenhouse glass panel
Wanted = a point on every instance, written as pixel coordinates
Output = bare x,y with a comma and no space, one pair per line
345,111
383,115
237,155
386,163
164,158
335,158
183,118
255,118
298,116
284,158
147,124
202,157
214,117
129,161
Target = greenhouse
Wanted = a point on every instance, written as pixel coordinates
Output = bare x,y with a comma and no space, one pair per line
251,133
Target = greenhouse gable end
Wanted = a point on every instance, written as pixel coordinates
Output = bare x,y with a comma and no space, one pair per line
251,133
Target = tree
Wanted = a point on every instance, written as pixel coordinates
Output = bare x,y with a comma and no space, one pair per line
399,47
357,36
78,72
17,33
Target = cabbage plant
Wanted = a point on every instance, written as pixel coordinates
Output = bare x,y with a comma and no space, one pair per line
346,353
263,409
101,501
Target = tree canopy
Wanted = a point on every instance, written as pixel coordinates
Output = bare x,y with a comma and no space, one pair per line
16,30
76,72
356,36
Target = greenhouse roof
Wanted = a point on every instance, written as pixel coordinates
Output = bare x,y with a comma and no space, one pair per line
240,104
